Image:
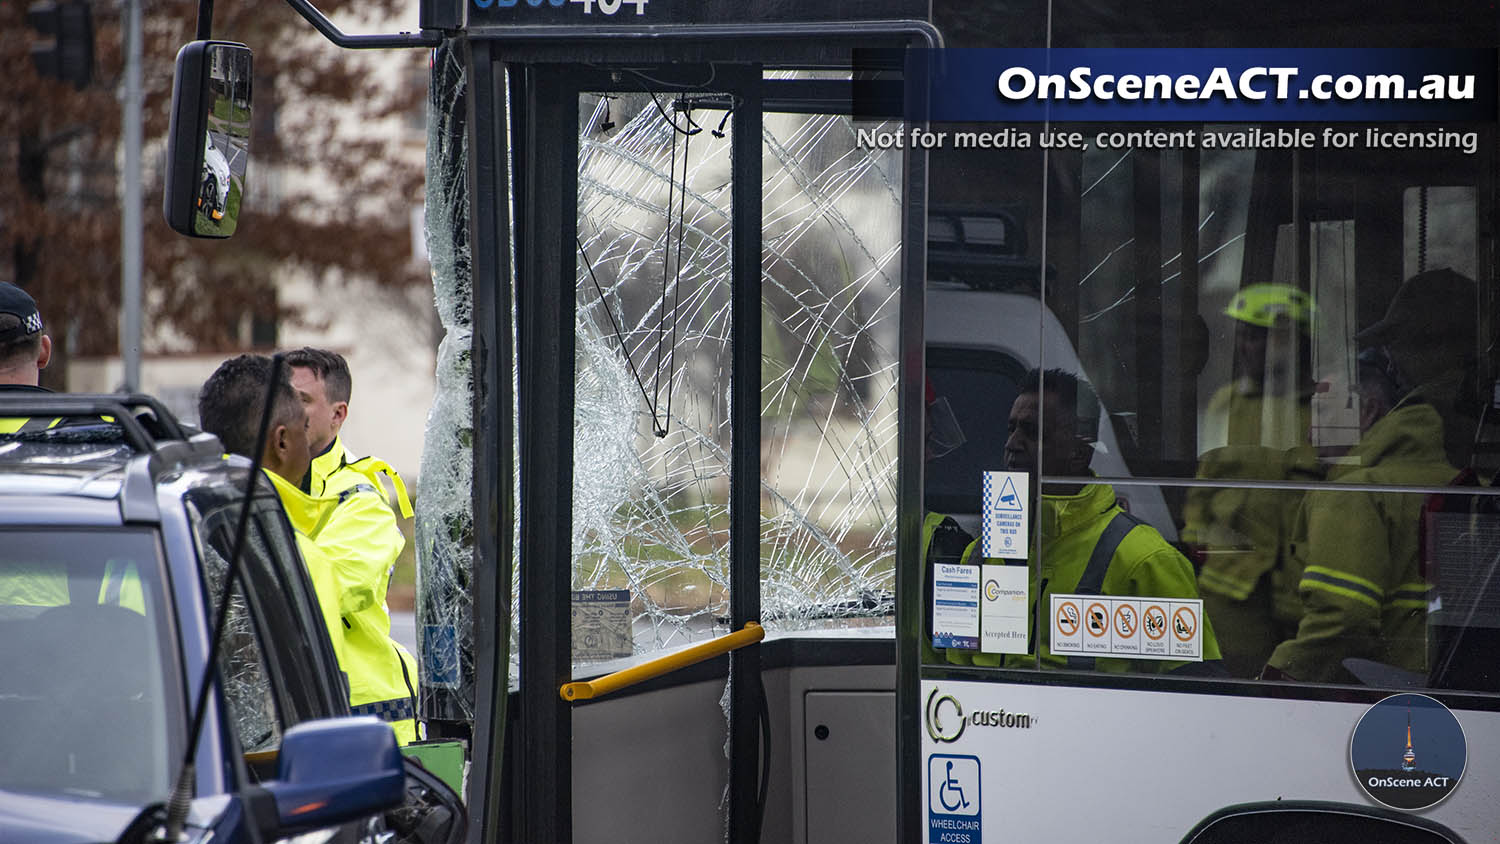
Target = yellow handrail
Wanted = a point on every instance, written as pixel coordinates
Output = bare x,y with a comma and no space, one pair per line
600,686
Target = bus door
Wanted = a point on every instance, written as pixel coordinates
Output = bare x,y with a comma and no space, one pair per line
1209,518
695,274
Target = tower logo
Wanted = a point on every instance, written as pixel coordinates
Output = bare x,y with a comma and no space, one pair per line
1408,752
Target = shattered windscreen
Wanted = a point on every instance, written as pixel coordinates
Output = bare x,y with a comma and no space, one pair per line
652,437
445,515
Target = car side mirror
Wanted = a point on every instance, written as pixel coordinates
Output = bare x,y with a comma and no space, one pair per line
333,771
208,145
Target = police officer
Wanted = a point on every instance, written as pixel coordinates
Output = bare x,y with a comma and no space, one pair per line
1089,545
230,405
364,541
24,349
1363,592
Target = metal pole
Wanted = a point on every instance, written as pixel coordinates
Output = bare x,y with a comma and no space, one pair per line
130,219
546,187
493,435
744,470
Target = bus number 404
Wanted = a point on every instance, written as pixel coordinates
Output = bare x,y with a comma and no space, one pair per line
609,7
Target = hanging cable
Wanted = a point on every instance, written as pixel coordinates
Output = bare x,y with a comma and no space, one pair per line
666,260
676,282
719,132
1421,229
671,281
694,128
619,335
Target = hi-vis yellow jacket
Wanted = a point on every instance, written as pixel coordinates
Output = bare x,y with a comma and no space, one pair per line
355,532
1362,590
337,458
47,586
303,513
1143,565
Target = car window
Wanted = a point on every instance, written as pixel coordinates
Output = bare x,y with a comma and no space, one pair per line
88,700
297,642
246,676
297,678
242,663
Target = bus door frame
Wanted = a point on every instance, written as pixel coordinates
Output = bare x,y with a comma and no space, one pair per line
539,81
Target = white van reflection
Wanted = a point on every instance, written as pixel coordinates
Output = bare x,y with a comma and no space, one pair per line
213,196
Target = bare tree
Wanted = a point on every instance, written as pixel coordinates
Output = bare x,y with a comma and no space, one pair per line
314,104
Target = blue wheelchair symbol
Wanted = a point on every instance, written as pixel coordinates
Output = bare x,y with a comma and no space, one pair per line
950,786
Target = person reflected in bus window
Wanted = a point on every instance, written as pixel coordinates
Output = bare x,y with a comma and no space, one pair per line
1254,428
1089,544
1267,401
943,539
1362,589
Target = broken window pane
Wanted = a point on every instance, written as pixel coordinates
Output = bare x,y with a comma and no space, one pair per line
652,438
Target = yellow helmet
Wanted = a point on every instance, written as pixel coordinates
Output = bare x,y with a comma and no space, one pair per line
1261,304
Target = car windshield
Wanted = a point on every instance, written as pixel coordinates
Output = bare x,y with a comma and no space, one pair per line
84,665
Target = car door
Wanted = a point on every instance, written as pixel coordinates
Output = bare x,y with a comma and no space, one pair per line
301,678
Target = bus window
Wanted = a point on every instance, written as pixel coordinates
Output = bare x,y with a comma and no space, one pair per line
650,565
1257,325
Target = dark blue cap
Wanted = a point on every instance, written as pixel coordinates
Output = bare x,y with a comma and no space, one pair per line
19,304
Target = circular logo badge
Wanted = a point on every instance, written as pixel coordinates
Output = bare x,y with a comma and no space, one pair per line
940,732
1408,752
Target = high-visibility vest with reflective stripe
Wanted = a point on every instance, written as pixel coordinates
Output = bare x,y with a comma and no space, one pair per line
1362,590
355,530
1139,563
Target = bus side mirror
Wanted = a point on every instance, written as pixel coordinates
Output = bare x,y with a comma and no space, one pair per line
208,145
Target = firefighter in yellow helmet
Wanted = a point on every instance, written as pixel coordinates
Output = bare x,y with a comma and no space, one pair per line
1266,403
364,541
1256,427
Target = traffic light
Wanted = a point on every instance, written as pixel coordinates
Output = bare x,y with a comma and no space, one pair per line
67,49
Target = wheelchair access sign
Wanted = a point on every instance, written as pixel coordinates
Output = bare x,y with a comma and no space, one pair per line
952,799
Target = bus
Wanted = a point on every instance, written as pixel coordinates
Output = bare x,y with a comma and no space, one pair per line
743,360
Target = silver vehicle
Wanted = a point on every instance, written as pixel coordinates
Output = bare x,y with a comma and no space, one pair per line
213,196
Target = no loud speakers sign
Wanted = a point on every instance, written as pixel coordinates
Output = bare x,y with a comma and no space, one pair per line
1135,628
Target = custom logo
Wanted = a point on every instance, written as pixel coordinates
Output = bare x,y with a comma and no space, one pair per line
1408,752
946,719
934,712
992,591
